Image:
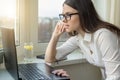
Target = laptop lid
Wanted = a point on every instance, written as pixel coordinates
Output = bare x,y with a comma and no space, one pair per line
9,48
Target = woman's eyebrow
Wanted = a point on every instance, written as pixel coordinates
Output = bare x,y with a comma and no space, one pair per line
66,12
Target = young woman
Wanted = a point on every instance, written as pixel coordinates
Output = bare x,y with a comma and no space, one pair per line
97,39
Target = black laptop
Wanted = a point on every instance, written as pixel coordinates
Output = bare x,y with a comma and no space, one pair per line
31,71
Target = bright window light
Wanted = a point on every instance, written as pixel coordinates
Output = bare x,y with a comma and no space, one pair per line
8,8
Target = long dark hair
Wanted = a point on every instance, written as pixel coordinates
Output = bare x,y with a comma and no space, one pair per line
89,19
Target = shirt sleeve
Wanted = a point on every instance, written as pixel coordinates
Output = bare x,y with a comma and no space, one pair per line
109,45
66,48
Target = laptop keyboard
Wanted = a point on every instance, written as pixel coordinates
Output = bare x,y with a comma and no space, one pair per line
31,72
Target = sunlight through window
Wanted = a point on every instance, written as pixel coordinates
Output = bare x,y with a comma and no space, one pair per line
7,8
7,13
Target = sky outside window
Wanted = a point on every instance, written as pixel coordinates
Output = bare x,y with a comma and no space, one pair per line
50,8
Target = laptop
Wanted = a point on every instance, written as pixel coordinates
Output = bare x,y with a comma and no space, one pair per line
31,71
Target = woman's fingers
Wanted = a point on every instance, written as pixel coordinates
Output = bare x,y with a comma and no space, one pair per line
65,74
60,27
60,72
56,71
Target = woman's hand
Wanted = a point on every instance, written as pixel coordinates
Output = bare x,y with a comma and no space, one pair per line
60,72
59,29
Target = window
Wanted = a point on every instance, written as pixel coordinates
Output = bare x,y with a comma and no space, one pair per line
48,14
7,15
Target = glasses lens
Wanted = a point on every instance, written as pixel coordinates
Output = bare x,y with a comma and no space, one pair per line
61,16
68,17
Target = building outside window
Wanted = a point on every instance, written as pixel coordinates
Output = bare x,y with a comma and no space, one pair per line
48,17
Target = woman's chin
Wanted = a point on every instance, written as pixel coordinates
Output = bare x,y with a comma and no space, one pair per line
67,30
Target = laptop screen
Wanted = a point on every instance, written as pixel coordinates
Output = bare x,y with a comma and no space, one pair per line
9,48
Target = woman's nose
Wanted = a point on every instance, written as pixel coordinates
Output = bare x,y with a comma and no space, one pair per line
64,20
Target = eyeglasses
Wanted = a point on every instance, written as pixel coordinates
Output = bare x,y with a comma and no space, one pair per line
67,16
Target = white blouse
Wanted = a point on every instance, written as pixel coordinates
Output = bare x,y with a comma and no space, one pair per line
101,48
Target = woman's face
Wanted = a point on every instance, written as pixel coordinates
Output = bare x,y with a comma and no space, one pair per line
73,23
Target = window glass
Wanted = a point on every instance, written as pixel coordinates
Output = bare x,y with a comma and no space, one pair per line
7,14
48,16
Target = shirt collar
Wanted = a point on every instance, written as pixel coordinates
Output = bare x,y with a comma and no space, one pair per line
87,37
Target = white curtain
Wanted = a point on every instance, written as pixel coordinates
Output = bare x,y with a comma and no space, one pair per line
109,10
113,12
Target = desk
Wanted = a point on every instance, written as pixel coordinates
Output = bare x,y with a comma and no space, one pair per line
71,59
4,75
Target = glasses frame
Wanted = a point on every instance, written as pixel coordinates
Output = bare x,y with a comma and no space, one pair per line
67,16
